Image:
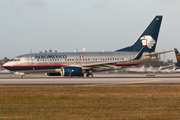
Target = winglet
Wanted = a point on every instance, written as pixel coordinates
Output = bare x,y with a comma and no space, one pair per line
139,55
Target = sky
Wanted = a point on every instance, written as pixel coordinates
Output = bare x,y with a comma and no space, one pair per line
66,25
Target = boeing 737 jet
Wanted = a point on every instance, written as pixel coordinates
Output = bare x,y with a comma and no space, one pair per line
80,63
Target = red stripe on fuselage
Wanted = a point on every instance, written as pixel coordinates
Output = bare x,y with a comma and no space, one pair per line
34,65
120,64
124,64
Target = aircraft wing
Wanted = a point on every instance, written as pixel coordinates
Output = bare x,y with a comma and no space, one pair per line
168,66
154,53
102,64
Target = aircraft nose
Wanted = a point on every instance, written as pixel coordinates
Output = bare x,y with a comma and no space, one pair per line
5,65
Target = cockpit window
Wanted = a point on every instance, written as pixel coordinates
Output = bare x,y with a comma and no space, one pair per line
12,60
16,59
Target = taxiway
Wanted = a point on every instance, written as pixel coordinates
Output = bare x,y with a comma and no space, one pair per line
98,79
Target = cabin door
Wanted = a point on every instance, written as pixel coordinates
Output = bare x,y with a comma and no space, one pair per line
77,60
30,60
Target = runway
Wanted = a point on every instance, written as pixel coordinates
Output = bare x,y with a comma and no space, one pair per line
98,79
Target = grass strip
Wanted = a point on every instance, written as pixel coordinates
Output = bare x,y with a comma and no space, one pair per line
90,102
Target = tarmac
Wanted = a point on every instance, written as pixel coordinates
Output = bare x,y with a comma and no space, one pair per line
98,79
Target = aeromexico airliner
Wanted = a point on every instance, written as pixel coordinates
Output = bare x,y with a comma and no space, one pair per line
80,63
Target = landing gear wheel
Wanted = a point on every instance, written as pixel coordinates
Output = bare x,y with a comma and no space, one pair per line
89,75
82,75
23,76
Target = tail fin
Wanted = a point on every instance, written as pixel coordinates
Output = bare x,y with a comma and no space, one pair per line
177,57
149,37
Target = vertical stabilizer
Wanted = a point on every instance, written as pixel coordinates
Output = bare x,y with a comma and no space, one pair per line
177,57
148,37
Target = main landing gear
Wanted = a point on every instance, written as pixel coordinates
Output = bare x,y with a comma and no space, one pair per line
20,73
89,75
23,75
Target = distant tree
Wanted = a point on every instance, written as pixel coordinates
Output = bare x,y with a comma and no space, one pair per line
154,63
4,60
169,61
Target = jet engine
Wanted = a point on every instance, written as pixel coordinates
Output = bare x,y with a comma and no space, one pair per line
71,71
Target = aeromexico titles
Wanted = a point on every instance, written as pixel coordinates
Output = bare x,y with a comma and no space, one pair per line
80,63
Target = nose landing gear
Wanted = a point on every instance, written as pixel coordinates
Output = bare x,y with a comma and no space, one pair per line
23,76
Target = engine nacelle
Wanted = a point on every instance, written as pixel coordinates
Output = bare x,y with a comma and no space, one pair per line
53,74
71,71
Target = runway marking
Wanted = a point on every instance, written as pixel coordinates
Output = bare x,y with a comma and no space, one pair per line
142,81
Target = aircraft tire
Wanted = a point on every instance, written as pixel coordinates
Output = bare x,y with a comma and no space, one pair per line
89,75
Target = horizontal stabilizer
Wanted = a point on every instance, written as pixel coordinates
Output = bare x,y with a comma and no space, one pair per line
158,53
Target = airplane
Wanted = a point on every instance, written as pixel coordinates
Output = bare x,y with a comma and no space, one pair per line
177,57
138,70
84,49
144,70
154,70
5,72
80,63
166,70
